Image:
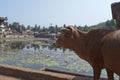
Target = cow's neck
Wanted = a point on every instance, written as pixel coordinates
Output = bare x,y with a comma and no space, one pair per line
80,46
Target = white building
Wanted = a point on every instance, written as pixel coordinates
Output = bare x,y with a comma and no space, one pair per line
2,28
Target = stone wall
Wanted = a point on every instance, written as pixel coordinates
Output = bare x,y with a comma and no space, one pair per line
115,7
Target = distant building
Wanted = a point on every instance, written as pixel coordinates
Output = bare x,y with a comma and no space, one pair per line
36,34
52,36
2,20
45,35
28,32
2,28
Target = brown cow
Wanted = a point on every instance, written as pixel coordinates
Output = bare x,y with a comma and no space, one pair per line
101,48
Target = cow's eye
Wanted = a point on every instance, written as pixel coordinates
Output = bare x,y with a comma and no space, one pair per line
62,32
65,34
61,35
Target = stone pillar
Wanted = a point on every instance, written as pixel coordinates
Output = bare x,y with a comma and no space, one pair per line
115,7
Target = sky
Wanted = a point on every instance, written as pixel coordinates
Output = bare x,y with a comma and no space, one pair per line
56,12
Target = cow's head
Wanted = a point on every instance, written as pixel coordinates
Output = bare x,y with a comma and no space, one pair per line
66,37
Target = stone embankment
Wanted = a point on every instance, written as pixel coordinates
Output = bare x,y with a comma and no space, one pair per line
8,72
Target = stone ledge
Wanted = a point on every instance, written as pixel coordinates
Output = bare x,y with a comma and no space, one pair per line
45,74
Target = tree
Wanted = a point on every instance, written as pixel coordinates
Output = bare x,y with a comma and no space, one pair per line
51,29
23,27
44,29
11,27
15,26
56,29
28,27
39,29
35,28
64,25
86,28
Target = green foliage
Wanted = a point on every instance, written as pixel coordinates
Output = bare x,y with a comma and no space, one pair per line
0,31
109,24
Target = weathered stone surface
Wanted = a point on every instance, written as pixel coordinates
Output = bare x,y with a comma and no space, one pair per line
116,12
8,72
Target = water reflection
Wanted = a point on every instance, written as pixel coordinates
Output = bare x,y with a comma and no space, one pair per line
40,54
20,45
11,45
37,52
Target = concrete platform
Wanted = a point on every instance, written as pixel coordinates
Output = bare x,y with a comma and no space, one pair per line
8,72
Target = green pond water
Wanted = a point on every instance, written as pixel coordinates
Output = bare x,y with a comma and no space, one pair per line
41,54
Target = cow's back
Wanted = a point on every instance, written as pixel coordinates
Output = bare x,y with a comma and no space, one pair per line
111,51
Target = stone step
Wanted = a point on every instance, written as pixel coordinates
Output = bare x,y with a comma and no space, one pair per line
8,72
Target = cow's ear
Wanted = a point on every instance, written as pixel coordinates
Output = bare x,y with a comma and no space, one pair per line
66,31
73,31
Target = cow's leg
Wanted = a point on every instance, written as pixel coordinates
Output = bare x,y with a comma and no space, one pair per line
97,72
110,74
